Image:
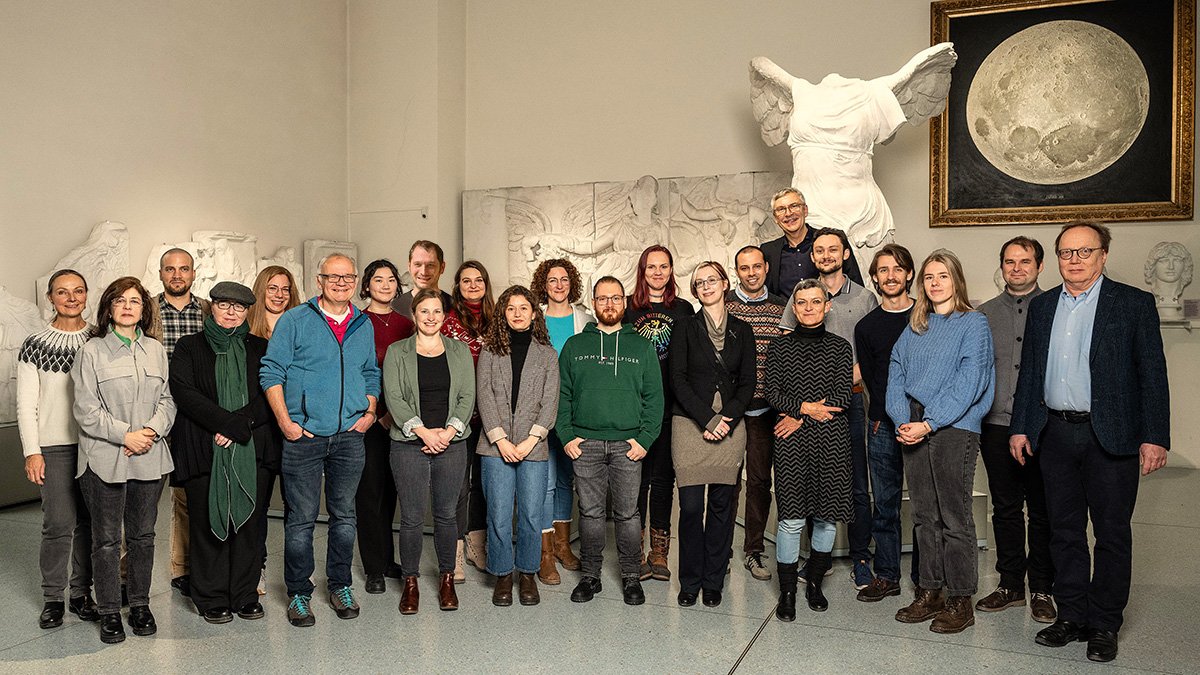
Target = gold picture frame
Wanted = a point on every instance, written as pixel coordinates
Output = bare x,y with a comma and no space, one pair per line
1152,179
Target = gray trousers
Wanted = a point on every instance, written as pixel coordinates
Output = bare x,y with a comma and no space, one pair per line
604,466
133,504
941,473
66,527
423,479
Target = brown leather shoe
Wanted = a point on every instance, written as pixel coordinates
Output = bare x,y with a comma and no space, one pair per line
878,589
562,547
924,607
955,617
660,547
502,594
1000,599
447,598
1041,607
528,592
410,597
548,571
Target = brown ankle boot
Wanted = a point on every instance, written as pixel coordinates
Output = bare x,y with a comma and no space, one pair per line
528,591
562,546
660,547
924,607
410,598
955,617
548,571
502,593
447,597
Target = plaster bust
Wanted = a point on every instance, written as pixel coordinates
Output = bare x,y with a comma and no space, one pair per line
1168,270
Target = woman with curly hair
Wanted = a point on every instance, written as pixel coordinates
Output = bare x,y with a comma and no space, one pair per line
517,397
557,286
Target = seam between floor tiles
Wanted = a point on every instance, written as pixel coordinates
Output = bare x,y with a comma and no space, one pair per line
762,627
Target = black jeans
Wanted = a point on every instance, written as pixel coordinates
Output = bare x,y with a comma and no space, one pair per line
66,527
656,494
375,504
760,442
224,574
704,535
1014,489
471,512
1089,480
422,479
858,531
133,505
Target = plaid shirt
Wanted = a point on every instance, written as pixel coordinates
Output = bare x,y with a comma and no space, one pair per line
177,323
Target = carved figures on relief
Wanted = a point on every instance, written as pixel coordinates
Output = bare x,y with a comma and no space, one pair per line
1168,270
19,319
833,126
285,257
217,256
314,251
102,259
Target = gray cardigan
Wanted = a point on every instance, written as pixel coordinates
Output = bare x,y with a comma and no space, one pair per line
402,391
119,389
537,401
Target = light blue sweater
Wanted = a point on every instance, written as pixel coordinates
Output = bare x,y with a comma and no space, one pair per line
950,369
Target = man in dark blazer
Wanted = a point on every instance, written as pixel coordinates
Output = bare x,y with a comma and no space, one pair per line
1092,400
789,258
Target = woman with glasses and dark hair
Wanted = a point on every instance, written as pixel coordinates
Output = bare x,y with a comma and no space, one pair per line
124,410
940,385
713,375
50,439
222,445
375,502
517,396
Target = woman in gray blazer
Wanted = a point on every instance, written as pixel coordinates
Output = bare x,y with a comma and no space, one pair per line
517,396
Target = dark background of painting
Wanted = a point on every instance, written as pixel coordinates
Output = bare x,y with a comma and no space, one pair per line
1142,174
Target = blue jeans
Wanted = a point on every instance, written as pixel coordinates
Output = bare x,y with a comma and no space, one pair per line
887,487
339,458
502,481
560,485
787,538
859,531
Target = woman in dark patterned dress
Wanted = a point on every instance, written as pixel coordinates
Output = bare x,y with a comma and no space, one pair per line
809,381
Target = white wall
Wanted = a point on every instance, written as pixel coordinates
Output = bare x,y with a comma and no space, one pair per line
570,92
169,116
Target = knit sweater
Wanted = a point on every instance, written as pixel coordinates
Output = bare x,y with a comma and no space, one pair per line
949,370
763,315
44,390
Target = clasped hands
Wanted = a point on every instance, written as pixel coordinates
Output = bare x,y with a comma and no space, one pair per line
720,432
139,442
436,440
912,433
513,453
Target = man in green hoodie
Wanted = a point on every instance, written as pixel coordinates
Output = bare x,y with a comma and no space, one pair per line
611,407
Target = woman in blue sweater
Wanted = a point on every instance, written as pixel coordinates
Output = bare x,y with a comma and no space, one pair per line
940,385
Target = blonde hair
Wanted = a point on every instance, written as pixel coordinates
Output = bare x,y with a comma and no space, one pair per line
923,307
257,316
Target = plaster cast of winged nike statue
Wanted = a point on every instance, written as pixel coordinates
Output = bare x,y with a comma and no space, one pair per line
833,126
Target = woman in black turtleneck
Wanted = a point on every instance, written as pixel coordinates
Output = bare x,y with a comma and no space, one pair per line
517,399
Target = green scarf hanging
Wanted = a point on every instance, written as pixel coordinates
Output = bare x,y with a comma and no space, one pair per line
232,488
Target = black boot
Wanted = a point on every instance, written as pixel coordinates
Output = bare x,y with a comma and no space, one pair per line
786,610
818,564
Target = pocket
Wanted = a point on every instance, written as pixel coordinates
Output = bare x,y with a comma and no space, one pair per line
153,382
115,384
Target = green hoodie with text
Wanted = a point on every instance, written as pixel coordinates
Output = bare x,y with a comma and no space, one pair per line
610,387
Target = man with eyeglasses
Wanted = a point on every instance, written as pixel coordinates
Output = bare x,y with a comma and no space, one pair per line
789,258
180,313
1092,402
322,382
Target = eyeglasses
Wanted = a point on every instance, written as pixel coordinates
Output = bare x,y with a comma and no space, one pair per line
226,305
1083,253
339,278
276,290
705,283
785,208
609,299
128,302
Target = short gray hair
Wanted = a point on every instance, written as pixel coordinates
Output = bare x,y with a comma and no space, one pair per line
806,284
332,256
788,191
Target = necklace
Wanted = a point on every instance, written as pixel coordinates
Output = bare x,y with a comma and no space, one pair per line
380,315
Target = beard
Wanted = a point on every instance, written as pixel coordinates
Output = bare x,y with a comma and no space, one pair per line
177,294
609,317
829,269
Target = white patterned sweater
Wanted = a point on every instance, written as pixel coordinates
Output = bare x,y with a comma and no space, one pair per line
45,395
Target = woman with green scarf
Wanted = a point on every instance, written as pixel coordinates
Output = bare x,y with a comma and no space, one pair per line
223,451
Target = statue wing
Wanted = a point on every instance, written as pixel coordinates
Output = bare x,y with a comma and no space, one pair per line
771,99
922,85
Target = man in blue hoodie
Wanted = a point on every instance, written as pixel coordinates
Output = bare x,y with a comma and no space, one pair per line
610,410
322,382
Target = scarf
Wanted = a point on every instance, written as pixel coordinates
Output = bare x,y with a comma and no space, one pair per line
232,487
716,333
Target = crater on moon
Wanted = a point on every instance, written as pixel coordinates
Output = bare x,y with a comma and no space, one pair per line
1058,102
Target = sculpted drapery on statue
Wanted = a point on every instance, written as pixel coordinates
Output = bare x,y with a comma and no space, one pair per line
833,126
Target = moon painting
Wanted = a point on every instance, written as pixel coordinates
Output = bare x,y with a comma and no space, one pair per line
1058,102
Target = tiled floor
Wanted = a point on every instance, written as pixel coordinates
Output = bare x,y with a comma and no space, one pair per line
1160,634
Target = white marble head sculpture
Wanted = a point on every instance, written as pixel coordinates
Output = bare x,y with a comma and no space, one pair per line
1168,270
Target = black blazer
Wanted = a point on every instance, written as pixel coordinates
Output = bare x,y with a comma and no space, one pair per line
773,253
695,372
194,386
1130,398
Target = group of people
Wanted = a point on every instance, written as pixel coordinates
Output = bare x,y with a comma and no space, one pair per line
497,412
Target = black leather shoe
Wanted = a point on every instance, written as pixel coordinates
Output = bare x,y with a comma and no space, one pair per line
1061,633
587,589
1102,646
218,615
111,630
375,584
393,572
51,616
142,621
686,598
184,584
631,588
711,598
84,607
251,611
